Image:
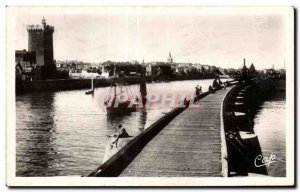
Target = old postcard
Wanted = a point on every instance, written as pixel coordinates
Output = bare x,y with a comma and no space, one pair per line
150,96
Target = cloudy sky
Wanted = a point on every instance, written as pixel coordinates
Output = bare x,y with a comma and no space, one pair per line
208,38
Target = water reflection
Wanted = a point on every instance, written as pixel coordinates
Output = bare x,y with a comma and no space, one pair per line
113,121
271,131
37,136
134,122
143,119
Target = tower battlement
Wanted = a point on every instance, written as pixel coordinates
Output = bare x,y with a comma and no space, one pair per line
39,28
49,28
34,28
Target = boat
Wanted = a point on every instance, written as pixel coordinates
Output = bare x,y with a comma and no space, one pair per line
116,103
92,88
123,107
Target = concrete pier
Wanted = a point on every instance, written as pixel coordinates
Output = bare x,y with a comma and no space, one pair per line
190,145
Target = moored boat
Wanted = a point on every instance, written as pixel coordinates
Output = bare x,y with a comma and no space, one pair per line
121,102
91,91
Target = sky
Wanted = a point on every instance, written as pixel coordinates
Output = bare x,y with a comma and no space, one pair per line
215,39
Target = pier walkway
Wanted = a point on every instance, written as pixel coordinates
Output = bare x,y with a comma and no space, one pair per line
190,145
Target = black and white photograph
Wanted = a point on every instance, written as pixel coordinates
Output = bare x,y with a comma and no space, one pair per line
150,96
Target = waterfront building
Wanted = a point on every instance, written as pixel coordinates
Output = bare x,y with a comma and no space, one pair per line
252,70
282,72
73,66
40,41
62,67
25,65
148,69
25,59
104,72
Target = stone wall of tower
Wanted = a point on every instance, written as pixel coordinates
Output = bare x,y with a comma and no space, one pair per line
40,40
48,45
36,44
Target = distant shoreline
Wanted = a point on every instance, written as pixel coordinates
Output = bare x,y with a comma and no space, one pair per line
77,84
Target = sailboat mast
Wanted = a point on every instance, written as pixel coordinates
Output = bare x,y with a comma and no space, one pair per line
143,88
92,83
115,86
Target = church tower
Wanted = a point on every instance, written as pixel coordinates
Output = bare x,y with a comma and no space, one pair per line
170,59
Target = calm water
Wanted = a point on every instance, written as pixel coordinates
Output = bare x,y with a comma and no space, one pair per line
271,131
65,133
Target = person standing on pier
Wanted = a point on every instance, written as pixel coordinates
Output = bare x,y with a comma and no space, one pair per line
197,92
215,84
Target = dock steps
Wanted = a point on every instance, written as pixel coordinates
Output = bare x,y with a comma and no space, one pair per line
247,135
239,114
238,103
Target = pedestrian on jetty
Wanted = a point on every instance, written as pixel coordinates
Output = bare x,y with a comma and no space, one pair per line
197,90
221,84
184,103
211,89
216,84
227,83
122,133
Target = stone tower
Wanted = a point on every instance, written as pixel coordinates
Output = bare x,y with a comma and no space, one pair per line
40,41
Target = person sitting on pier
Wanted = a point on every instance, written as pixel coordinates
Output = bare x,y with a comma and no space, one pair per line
216,85
222,85
122,133
183,103
227,83
210,88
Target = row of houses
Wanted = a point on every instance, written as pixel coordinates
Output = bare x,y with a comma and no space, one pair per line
134,68
153,68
